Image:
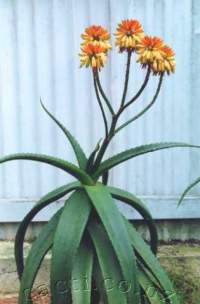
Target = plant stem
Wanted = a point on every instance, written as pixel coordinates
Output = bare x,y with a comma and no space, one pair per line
140,90
103,94
145,109
106,141
105,177
126,78
115,117
100,104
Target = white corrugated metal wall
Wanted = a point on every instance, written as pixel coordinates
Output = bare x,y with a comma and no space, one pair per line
39,45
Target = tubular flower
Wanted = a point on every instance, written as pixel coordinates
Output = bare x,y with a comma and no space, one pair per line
150,49
96,34
167,64
128,34
93,55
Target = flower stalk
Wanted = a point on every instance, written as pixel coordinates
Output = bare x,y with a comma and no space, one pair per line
137,95
100,103
152,53
103,94
126,78
145,109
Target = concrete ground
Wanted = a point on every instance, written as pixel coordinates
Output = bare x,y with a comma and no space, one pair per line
13,300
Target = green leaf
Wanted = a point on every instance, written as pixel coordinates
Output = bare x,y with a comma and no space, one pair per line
92,157
98,291
151,263
151,292
82,274
109,265
80,155
193,184
37,252
42,203
54,161
67,239
138,205
118,235
123,156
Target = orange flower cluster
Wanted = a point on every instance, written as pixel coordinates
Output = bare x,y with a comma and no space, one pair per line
96,34
151,52
128,34
154,53
93,55
94,47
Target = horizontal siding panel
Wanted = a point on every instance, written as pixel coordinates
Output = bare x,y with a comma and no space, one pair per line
39,46
161,208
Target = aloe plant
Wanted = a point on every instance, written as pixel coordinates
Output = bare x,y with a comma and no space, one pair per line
96,253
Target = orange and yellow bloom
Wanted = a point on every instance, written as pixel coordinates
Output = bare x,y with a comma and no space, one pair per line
151,51
93,55
94,47
128,34
154,53
96,34
167,64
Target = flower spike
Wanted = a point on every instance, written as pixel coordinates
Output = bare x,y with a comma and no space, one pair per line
96,34
93,55
167,64
128,34
153,52
94,47
149,49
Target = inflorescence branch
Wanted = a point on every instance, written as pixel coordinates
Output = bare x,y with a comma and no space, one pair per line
100,104
103,94
140,90
126,78
113,131
152,53
145,109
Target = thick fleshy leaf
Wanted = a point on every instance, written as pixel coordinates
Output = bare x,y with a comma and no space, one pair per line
42,203
99,292
138,205
193,184
36,255
110,269
154,288
67,239
128,154
54,161
91,158
151,292
82,274
150,261
80,155
118,235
